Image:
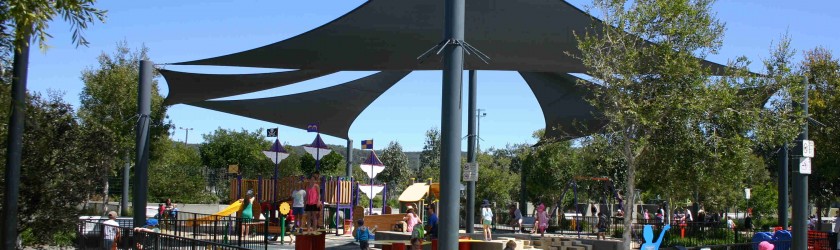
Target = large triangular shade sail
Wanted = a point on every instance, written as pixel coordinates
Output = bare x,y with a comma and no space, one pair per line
521,35
194,87
564,106
334,108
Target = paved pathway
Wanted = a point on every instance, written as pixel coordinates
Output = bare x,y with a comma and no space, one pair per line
343,242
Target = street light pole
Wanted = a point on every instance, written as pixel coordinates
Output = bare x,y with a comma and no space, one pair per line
479,114
471,148
187,135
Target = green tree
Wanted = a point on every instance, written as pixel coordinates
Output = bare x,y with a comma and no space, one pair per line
178,175
109,99
331,164
32,18
823,71
550,168
430,156
663,108
20,20
291,165
58,153
641,85
496,182
396,173
223,147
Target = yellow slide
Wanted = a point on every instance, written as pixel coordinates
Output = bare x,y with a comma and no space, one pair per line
233,208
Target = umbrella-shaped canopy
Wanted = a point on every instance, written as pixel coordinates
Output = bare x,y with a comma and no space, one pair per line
277,152
372,166
371,190
318,148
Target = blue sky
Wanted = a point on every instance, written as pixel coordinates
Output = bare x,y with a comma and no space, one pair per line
176,31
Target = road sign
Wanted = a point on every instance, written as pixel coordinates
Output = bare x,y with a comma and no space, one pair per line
804,165
470,172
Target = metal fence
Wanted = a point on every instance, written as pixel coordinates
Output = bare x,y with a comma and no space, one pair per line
231,230
91,235
679,234
739,246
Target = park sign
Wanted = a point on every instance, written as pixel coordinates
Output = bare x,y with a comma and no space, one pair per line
804,148
804,165
470,172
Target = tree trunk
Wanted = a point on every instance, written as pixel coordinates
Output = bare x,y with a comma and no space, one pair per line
630,186
87,201
819,223
630,207
105,194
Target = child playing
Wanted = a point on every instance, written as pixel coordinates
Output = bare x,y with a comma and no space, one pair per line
510,245
363,234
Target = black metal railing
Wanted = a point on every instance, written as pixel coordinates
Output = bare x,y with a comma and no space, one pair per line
738,246
679,234
249,233
223,230
92,235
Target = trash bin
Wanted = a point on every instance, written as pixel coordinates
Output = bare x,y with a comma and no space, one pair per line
348,227
463,245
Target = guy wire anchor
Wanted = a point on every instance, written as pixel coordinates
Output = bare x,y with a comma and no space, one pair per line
469,49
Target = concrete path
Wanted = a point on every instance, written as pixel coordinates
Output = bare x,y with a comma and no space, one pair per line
343,242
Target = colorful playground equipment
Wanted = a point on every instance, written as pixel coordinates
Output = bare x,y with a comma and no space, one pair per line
232,208
338,194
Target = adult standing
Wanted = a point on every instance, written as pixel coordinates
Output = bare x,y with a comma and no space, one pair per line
486,220
313,202
433,223
110,230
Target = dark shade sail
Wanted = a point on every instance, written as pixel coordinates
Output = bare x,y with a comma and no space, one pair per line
518,35
563,102
333,108
193,87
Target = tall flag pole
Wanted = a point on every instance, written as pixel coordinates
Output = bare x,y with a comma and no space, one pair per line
277,153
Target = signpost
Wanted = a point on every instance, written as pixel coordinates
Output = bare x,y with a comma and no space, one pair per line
470,172
805,165
805,150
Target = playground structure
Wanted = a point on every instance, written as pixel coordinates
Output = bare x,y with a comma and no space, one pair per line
232,208
414,195
337,194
